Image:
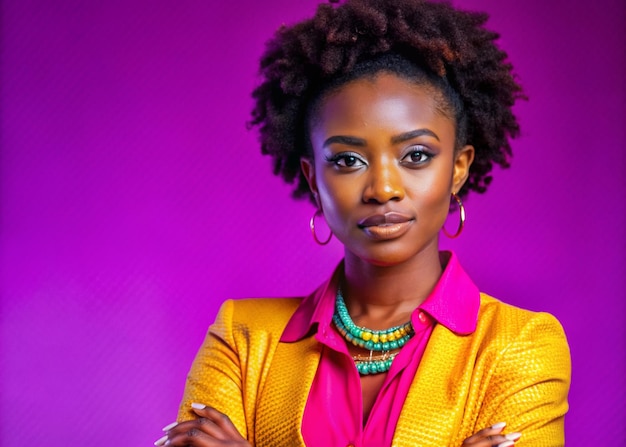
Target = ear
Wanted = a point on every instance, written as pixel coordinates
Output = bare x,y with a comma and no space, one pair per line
462,162
308,169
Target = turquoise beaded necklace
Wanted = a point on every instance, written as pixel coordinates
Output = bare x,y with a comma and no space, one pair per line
380,341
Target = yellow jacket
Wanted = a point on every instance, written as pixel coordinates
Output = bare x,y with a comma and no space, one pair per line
514,368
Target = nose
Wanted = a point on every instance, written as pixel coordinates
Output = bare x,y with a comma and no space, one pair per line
384,183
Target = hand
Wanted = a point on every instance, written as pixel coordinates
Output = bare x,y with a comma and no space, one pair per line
210,430
492,436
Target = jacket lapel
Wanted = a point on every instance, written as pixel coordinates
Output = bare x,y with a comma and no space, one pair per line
284,396
434,405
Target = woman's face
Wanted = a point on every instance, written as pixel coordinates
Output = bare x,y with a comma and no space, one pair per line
384,167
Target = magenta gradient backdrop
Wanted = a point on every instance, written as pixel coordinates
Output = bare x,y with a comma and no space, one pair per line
134,201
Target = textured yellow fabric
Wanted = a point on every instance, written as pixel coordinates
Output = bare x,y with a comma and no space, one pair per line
515,368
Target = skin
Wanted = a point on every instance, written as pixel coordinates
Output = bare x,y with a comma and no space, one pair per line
380,144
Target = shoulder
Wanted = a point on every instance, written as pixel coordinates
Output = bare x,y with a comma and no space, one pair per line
255,315
508,319
522,368
513,332
259,309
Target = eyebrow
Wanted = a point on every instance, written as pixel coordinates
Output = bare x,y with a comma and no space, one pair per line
348,141
413,134
360,142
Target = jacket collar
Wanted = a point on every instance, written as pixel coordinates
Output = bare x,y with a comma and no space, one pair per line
453,303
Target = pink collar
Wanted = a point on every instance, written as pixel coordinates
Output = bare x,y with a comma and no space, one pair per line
453,303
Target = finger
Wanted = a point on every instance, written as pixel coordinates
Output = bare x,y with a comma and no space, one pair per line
161,441
513,436
507,440
190,433
193,437
489,441
479,438
510,438
221,420
168,427
198,428
486,438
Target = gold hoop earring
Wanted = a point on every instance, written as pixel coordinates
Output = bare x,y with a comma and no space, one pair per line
312,225
462,219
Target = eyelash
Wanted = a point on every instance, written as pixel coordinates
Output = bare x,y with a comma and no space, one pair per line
422,151
342,159
344,156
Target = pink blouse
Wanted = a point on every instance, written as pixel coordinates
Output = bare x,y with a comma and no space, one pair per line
334,411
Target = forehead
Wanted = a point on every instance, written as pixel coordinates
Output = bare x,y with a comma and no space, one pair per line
381,101
382,85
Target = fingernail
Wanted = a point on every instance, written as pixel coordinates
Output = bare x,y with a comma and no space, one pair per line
198,406
506,444
513,436
161,441
170,426
498,425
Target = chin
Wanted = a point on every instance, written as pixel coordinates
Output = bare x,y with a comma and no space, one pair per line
385,257
394,252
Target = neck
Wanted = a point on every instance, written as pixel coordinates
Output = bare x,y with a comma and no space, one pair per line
383,294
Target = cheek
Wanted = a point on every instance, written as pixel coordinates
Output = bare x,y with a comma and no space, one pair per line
436,178
337,196
431,194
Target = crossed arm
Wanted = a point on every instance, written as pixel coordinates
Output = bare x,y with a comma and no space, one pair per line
532,401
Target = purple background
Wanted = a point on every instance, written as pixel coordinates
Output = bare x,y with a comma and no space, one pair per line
134,201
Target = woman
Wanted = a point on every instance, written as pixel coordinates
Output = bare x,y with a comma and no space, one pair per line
385,113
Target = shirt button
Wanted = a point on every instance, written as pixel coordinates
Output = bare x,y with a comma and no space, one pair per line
422,317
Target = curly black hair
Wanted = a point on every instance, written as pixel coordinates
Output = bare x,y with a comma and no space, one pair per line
431,43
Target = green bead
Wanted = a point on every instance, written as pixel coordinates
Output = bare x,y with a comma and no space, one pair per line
374,367
357,335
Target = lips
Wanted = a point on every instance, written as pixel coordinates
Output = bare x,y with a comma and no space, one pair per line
384,219
386,226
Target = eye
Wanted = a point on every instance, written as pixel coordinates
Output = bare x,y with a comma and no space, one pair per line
417,155
346,160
